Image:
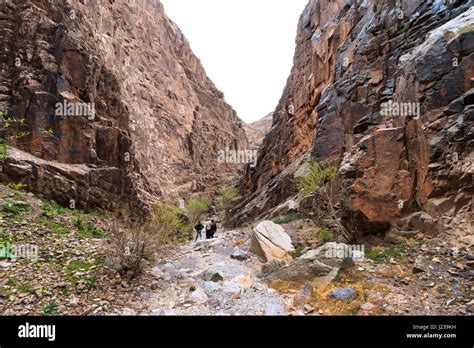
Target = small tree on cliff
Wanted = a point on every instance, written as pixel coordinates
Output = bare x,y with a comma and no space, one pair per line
5,124
315,177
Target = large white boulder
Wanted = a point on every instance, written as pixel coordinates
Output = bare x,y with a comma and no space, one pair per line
271,242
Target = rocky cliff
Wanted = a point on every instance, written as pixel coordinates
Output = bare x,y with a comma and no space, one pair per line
382,90
256,131
145,123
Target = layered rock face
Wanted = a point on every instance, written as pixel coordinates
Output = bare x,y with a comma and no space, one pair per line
382,90
256,131
158,121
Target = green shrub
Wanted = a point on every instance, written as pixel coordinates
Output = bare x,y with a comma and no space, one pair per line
26,288
314,176
168,224
324,235
3,152
51,208
380,254
87,230
7,122
17,186
4,238
284,219
90,281
196,208
57,228
16,208
227,196
51,308
375,256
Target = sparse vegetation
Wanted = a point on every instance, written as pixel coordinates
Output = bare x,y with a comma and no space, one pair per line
51,208
168,224
81,272
87,230
16,207
299,248
6,123
465,29
78,266
3,152
324,235
17,186
196,208
26,287
55,227
284,219
4,238
132,244
380,254
314,176
401,31
129,247
51,309
227,197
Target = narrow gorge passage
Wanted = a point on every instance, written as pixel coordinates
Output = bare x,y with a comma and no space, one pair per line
203,279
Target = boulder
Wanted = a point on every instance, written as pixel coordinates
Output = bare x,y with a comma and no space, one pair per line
233,288
128,312
368,307
203,244
342,293
423,222
210,287
274,309
157,272
321,264
114,263
243,280
5,264
212,275
270,241
158,312
239,254
304,294
421,265
198,296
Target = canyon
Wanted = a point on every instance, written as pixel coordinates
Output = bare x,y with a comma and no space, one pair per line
159,120
380,94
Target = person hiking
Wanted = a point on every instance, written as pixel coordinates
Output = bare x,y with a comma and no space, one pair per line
198,228
213,228
207,225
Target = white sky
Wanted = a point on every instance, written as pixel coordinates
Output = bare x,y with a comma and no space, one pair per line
246,47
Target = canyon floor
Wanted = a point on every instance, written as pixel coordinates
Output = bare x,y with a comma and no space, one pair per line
200,278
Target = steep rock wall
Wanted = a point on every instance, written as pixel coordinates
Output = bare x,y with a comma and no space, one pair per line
352,57
159,120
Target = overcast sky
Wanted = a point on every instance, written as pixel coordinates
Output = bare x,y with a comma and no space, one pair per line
246,47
